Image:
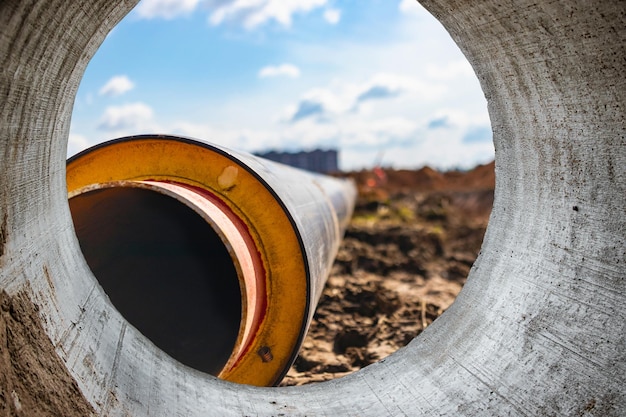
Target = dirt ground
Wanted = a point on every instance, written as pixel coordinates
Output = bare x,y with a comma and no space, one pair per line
33,380
404,259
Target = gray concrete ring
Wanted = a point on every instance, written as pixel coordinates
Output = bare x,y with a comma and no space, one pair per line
539,328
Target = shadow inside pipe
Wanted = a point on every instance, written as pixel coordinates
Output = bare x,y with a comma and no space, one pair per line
165,269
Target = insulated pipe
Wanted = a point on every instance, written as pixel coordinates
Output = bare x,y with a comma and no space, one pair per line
172,228
537,330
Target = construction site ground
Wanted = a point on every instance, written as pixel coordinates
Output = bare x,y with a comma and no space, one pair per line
405,257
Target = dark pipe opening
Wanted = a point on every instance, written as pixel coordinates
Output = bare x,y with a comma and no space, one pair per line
165,269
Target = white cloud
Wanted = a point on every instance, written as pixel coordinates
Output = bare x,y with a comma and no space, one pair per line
165,9
409,6
287,70
405,143
253,13
389,85
245,139
332,16
128,116
116,86
366,133
348,133
321,102
76,143
341,98
451,70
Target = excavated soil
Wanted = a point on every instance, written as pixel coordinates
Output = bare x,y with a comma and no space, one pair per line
33,380
405,257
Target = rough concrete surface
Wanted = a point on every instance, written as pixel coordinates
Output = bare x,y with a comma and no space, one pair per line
538,329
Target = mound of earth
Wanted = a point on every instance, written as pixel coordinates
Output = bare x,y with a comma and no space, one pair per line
33,380
405,257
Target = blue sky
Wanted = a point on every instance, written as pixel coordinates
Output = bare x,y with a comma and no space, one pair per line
375,79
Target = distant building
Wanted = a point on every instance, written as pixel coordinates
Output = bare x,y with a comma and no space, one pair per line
322,161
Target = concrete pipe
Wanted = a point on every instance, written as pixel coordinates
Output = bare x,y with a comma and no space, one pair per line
539,328
218,261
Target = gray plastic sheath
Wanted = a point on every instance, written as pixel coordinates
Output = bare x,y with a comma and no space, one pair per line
321,225
540,327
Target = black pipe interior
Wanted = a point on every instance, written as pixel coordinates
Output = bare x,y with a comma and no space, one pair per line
165,269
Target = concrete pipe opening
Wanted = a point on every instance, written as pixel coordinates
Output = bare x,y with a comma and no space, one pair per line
164,268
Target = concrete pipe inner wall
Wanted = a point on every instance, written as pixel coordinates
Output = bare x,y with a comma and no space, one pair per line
164,269
539,328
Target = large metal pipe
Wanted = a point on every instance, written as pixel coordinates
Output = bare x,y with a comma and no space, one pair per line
218,257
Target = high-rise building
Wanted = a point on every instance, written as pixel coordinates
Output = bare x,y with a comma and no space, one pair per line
318,160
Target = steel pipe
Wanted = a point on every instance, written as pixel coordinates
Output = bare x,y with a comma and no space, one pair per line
537,330
216,256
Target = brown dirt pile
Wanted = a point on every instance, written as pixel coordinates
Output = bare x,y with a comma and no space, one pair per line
33,380
404,259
